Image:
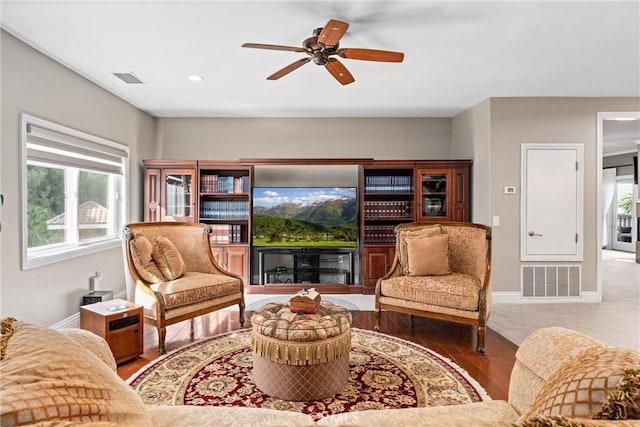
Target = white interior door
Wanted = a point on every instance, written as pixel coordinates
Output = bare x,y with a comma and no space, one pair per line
551,202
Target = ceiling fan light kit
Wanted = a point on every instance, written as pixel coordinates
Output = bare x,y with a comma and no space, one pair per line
322,46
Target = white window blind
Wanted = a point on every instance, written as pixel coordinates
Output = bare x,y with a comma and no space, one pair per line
64,149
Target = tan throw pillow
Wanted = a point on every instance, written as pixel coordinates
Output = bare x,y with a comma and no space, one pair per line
582,383
167,258
624,402
141,251
550,421
428,256
48,379
402,234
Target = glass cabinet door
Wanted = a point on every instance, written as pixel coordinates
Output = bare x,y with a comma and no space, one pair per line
178,199
434,194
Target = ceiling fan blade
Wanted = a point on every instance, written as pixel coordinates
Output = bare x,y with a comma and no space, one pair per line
289,68
339,71
371,55
332,32
274,47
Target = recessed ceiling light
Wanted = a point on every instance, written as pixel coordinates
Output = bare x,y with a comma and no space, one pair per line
196,77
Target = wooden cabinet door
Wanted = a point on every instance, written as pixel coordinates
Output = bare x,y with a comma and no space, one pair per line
126,343
218,255
152,196
237,261
377,261
460,194
178,188
234,259
434,195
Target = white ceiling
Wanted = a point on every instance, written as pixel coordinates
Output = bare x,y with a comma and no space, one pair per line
457,53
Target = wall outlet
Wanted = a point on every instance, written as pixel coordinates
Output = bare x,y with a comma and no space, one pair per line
510,189
495,221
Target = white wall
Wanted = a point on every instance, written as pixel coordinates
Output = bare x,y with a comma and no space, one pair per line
391,138
33,83
515,121
471,139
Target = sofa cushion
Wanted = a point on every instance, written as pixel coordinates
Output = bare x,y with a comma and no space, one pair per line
194,287
402,234
167,258
49,379
94,343
491,413
141,250
428,256
455,290
581,384
218,416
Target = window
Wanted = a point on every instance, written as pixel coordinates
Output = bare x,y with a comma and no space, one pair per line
73,192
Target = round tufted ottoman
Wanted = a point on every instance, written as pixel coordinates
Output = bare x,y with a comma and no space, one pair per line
298,356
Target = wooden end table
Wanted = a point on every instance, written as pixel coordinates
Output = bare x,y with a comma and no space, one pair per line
119,322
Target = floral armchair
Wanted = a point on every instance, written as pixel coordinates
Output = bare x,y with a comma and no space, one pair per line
440,271
170,270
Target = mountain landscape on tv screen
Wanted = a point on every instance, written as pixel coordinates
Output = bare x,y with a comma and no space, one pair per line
304,217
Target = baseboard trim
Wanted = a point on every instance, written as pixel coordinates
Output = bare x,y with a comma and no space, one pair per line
72,321
517,298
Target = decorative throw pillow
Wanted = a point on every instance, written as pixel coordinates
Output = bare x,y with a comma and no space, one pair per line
402,234
141,254
624,402
428,256
167,258
550,421
582,383
48,379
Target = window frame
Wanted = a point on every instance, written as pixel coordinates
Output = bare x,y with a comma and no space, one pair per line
49,254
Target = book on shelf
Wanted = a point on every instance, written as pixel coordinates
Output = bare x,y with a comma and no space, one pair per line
223,184
388,209
224,209
388,184
379,233
225,233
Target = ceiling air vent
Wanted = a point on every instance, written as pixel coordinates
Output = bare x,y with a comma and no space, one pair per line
128,78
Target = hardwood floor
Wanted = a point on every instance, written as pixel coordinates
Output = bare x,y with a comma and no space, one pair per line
456,342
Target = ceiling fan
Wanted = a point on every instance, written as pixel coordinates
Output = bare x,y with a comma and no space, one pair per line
323,46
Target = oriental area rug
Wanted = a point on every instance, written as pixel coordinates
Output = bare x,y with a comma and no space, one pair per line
385,373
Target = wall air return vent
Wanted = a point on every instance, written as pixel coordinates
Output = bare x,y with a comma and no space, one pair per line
128,78
551,281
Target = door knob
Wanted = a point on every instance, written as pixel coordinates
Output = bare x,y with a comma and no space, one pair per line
531,233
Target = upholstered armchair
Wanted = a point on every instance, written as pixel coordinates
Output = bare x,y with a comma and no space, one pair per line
170,270
440,271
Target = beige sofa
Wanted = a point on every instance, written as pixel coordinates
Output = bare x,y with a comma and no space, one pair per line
68,377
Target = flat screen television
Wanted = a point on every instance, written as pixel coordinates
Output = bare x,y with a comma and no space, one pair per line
304,217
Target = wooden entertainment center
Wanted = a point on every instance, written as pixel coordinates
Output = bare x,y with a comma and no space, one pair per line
389,192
